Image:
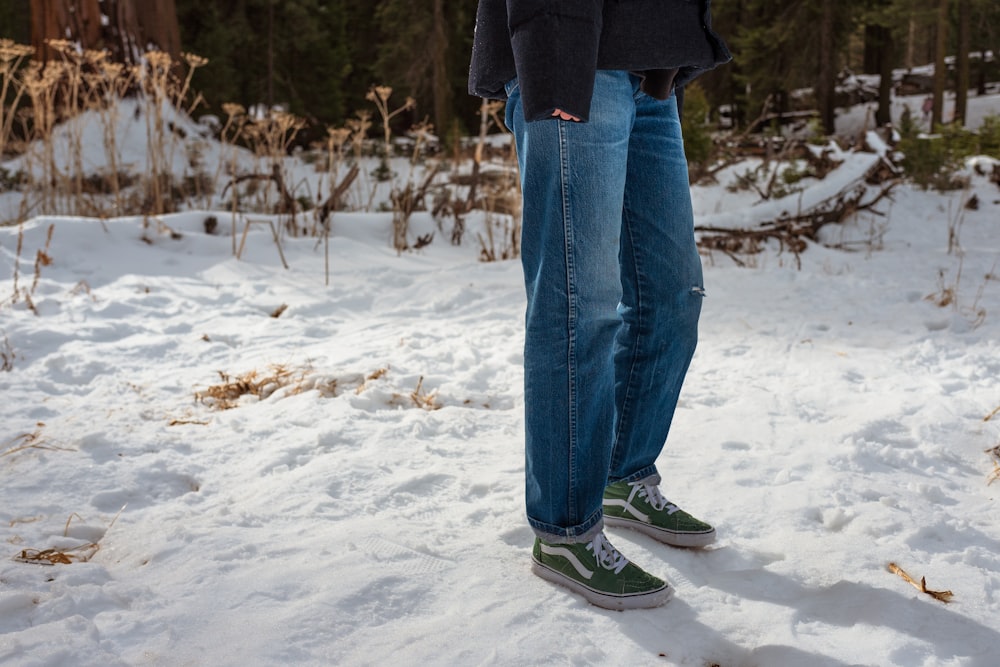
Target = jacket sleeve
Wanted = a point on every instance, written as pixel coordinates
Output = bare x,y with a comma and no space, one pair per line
555,44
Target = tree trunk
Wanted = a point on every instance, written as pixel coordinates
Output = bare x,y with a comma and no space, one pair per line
872,50
940,70
962,60
911,36
124,27
77,20
826,88
886,52
440,83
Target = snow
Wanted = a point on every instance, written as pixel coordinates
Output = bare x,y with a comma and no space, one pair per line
855,121
370,510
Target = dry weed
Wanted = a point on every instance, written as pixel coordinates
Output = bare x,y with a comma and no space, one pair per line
423,399
943,596
371,377
994,453
180,422
11,83
379,95
57,556
42,258
32,440
64,556
227,394
7,355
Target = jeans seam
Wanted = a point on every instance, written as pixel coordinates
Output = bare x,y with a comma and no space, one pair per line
627,397
627,230
571,315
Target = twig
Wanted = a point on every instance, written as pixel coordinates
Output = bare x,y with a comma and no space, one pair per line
179,422
331,204
943,596
992,414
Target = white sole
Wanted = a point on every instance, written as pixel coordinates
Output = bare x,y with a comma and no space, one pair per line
605,601
686,540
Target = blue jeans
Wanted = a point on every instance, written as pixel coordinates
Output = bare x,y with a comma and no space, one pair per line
614,286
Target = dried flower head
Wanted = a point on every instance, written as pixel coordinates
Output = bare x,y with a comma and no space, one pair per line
193,60
63,46
159,60
10,50
232,109
337,135
379,93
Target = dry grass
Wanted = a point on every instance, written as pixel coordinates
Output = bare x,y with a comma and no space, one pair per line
80,554
42,258
7,355
64,556
33,440
423,399
56,180
181,422
371,377
227,394
943,596
994,453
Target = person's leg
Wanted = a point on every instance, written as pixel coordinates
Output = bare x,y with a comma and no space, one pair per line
661,301
662,287
573,180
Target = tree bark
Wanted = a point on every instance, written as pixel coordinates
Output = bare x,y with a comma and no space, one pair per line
55,19
962,60
886,52
940,70
130,26
442,87
826,90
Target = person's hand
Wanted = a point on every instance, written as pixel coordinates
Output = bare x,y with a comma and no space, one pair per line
565,116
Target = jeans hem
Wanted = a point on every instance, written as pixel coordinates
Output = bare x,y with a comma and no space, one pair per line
578,534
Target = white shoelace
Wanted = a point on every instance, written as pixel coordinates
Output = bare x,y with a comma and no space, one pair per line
607,556
651,493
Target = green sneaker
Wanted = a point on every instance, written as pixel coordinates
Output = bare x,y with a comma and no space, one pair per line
640,506
598,572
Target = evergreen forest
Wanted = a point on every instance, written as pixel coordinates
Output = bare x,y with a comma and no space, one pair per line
319,58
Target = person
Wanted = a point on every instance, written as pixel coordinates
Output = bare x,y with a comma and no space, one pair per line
612,273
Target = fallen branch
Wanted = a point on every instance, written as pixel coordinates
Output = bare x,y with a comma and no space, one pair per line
943,596
792,231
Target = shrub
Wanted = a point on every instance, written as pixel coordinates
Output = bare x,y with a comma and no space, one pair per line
696,129
932,160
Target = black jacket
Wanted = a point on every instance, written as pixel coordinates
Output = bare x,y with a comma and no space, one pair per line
554,47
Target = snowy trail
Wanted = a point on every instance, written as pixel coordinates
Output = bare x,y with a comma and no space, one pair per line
833,422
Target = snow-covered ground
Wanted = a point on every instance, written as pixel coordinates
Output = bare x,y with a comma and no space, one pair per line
368,508
853,122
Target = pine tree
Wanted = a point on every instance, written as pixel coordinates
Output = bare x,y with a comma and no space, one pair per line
424,51
773,62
